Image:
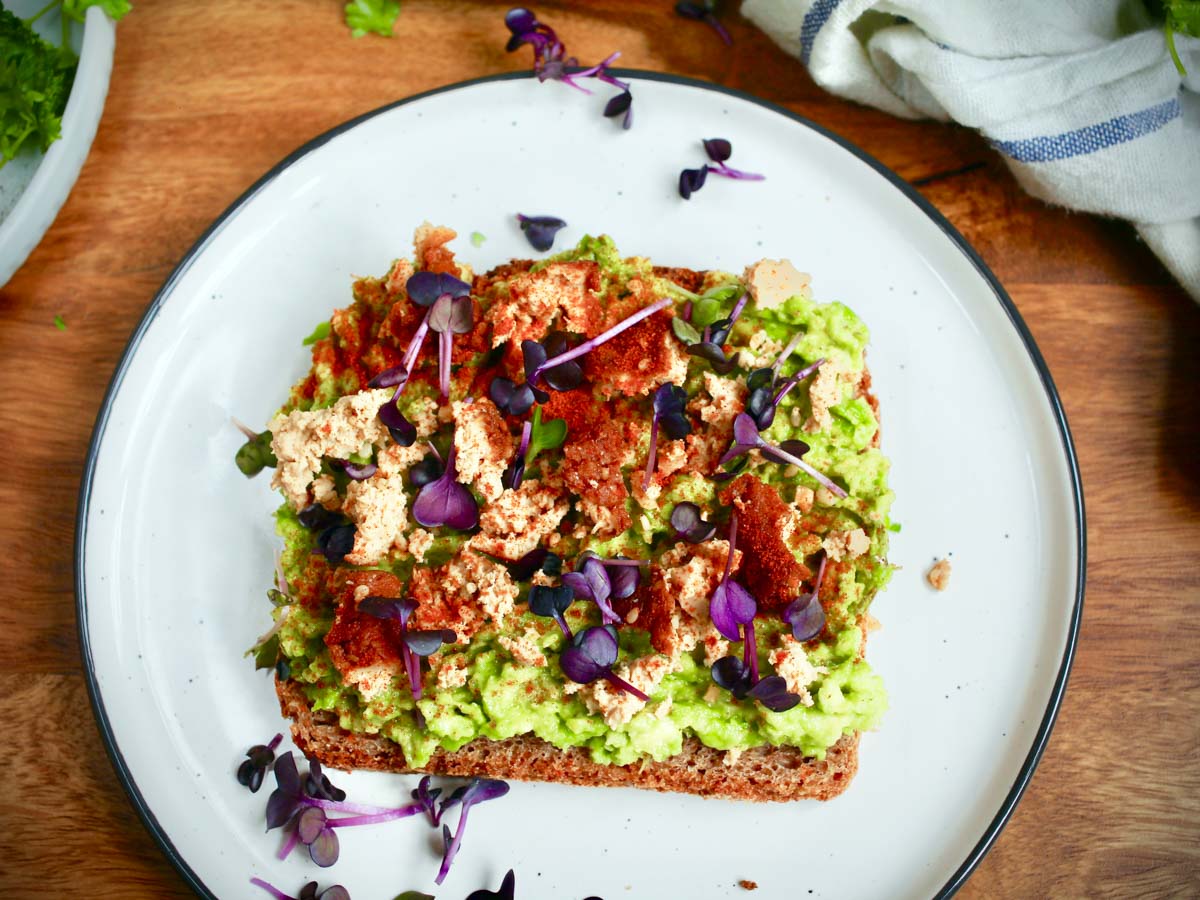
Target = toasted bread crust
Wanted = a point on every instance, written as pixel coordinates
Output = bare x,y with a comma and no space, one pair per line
761,773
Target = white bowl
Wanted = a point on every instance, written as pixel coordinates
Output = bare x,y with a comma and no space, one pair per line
34,186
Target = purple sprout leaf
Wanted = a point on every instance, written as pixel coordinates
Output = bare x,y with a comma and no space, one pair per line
564,376
772,692
691,180
325,849
426,797
446,502
426,643
287,798
690,525
621,105
718,149
590,581
624,579
335,892
715,355
539,559
424,288
514,473
357,472
403,432
731,607
507,890
310,823
390,377
318,786
540,230
427,470
552,602
478,790
316,517
591,654
745,438
730,673
335,542
400,609
805,614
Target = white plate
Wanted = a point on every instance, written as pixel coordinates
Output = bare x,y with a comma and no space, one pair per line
175,547
34,185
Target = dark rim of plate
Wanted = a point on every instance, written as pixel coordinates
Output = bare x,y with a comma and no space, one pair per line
1005,812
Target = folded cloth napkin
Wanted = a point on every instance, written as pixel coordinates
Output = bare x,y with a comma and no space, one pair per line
1081,97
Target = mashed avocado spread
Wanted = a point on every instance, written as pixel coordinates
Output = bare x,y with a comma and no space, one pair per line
501,676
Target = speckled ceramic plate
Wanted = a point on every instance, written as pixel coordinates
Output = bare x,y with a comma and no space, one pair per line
175,547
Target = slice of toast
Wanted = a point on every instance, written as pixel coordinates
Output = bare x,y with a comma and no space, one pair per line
760,773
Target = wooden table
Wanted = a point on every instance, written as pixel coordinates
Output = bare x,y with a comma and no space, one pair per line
206,97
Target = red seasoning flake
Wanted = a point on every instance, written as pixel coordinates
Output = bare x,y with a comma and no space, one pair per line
637,360
769,569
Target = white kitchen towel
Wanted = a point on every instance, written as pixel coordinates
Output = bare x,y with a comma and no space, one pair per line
1080,97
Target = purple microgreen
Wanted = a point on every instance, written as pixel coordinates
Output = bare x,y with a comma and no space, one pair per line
318,786
515,471
772,692
796,379
426,288
621,105
426,798
591,344
446,502
402,431
747,438
448,316
718,149
624,575
510,398
731,471
550,62
540,231
787,351
427,470
704,12
356,471
399,609
731,605
478,790
591,656
287,798
590,581
426,643
565,376
389,377
805,614
508,888
786,451
552,602
254,767
731,673
335,542
689,525
691,180
670,402
721,364
536,560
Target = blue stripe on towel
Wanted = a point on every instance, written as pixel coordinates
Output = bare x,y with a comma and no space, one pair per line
1091,138
814,20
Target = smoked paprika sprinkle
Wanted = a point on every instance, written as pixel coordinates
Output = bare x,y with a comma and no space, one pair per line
621,507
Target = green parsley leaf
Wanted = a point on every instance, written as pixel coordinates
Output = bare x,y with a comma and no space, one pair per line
544,435
477,239
266,654
77,9
35,81
60,323
318,334
414,895
378,16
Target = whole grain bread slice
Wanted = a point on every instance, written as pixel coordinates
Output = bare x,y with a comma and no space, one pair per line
761,773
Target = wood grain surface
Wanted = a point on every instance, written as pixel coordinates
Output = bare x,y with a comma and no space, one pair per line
205,97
